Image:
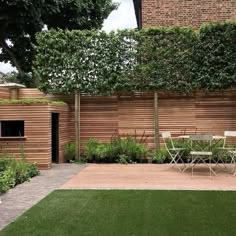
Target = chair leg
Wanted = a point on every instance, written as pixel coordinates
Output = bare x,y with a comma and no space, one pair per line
193,164
200,159
180,154
234,163
173,157
210,167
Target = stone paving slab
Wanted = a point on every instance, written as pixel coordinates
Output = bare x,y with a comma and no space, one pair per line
150,176
19,199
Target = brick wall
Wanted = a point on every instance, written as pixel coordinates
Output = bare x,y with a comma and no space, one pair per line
187,12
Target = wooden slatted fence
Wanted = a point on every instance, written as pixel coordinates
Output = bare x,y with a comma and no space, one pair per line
104,116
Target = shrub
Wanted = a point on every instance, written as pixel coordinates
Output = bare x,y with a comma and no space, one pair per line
23,171
130,147
160,155
69,152
15,172
90,149
7,180
20,170
32,170
112,152
4,162
123,159
101,152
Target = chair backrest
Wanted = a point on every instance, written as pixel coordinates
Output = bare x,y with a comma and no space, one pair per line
202,142
167,136
228,134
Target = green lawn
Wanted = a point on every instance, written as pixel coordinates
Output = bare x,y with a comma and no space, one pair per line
129,212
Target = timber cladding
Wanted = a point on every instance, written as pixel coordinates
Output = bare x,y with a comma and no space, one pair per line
186,12
211,113
4,93
30,93
102,117
37,131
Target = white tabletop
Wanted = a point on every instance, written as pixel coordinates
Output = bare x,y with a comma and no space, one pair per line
214,137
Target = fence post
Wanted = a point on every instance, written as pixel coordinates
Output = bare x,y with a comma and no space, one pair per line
77,125
156,128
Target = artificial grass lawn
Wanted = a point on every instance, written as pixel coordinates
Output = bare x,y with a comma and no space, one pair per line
129,212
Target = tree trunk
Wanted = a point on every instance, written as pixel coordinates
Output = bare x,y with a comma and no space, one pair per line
12,56
77,125
156,122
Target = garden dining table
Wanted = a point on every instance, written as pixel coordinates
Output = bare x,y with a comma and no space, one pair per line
215,138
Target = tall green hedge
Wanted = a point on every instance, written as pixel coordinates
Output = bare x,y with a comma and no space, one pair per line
215,57
88,61
166,58
175,59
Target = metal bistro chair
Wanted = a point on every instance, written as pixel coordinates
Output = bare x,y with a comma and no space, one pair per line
201,151
175,153
228,150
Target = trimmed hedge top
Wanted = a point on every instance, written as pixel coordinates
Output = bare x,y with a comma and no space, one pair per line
30,101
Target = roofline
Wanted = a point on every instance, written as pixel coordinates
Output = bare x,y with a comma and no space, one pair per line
138,12
11,85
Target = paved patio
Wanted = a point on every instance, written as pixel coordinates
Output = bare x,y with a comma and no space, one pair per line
19,199
148,176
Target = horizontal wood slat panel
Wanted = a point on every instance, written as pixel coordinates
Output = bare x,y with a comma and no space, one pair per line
215,115
98,118
104,116
36,120
177,116
4,93
37,129
136,118
30,93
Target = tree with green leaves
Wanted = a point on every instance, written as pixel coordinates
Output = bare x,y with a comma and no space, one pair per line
20,20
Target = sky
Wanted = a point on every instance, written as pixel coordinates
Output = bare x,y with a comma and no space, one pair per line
122,18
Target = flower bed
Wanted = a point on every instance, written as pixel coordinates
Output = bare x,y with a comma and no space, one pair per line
13,172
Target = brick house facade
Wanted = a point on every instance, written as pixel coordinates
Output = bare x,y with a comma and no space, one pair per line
183,12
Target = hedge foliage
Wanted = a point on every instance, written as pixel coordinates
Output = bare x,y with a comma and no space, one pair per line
174,59
30,101
88,61
215,57
165,59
